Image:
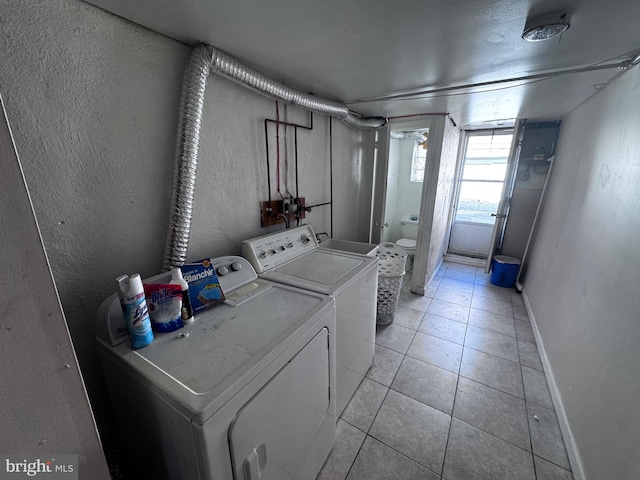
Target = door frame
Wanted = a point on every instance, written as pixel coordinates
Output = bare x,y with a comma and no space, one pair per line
381,167
435,124
462,154
502,214
380,172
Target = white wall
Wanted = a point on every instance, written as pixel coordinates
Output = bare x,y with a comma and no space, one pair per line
390,232
444,197
93,101
524,203
436,201
49,414
583,281
403,195
409,193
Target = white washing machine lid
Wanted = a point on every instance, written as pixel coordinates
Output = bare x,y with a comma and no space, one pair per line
406,243
324,271
197,368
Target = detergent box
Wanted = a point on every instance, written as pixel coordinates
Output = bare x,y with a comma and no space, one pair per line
204,286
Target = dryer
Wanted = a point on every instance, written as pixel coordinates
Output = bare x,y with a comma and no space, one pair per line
245,392
293,257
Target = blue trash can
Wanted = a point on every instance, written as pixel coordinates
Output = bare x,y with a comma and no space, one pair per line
504,271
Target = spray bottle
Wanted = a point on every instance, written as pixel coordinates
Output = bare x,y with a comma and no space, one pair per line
134,309
187,311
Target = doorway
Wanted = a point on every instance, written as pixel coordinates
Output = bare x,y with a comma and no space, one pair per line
436,192
481,178
405,176
403,156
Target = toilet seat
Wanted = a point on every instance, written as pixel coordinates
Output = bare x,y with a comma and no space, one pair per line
406,244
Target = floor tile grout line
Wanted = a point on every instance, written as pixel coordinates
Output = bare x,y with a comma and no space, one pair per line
453,406
526,406
405,354
397,451
367,434
493,388
552,463
492,355
499,438
533,459
460,364
492,331
459,375
357,453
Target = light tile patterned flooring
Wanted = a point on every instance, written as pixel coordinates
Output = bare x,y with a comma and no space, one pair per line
456,392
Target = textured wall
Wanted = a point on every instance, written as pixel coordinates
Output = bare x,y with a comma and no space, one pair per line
93,103
436,200
444,197
391,231
409,193
49,414
403,195
584,276
524,203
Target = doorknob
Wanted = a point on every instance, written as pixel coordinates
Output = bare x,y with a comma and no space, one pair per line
386,224
499,215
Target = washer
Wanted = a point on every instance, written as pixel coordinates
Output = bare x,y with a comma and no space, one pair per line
292,257
245,392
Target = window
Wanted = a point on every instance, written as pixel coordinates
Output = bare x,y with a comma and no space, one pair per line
483,174
419,158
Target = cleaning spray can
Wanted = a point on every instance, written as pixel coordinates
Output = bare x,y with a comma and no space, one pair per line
187,311
134,309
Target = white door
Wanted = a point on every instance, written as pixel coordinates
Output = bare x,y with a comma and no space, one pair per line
273,436
481,181
504,207
380,158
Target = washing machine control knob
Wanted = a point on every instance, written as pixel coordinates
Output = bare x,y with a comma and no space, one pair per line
263,254
273,251
290,245
306,239
222,271
235,266
282,248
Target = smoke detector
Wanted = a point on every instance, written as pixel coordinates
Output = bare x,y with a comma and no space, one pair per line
544,27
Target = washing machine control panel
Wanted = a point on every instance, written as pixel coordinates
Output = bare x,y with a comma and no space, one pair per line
271,250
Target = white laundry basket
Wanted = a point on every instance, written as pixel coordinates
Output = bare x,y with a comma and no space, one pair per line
391,268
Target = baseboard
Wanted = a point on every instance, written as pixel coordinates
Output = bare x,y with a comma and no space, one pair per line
421,289
563,421
475,262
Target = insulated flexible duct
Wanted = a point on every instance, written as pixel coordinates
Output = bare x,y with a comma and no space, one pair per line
203,60
194,83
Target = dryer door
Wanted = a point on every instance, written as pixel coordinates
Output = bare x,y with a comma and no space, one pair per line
287,429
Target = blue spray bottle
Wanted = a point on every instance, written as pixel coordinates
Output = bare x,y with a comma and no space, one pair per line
135,311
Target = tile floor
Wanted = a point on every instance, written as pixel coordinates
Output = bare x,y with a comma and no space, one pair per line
456,392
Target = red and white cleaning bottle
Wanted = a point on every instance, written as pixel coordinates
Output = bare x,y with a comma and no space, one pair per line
187,311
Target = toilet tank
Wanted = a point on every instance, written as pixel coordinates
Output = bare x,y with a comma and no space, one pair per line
409,225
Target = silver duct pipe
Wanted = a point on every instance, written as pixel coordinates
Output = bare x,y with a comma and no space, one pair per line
203,60
194,83
228,67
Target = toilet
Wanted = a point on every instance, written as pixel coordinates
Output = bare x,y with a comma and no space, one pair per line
409,232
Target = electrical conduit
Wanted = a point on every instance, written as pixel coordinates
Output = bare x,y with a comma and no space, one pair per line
203,60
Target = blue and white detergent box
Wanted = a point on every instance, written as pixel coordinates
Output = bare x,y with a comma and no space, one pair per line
204,286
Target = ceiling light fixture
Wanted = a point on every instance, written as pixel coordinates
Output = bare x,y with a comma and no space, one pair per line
544,27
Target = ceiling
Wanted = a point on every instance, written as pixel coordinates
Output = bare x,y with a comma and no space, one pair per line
433,54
